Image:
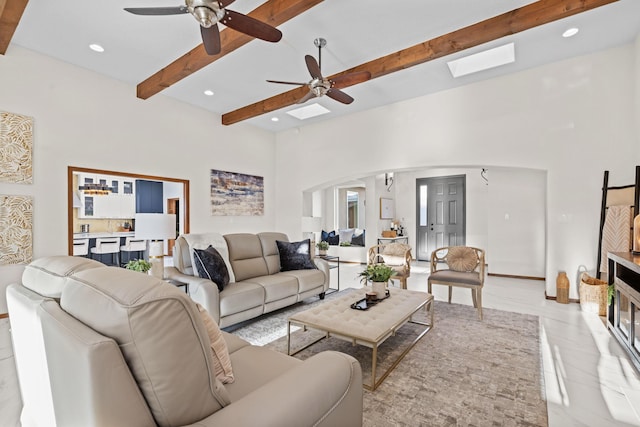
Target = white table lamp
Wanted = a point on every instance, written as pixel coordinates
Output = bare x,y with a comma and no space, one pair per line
156,228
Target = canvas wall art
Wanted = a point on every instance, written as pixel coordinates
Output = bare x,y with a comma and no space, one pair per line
236,194
16,229
16,147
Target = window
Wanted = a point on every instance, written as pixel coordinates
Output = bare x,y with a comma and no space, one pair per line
352,209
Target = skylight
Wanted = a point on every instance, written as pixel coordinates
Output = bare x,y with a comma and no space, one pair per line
308,111
481,61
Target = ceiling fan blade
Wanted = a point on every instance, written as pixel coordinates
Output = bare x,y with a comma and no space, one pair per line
307,97
177,10
251,26
225,3
313,67
211,39
350,79
339,96
286,83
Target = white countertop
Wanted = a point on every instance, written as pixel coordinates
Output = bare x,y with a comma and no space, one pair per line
104,234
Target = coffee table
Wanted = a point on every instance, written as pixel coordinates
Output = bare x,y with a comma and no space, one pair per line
370,327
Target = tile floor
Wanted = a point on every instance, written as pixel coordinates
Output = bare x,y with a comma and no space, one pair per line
589,380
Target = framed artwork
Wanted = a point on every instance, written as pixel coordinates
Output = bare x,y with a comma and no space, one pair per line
386,208
16,229
16,148
236,194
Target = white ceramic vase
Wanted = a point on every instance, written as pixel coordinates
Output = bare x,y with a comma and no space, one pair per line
379,288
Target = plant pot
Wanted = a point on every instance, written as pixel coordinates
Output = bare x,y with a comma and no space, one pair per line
380,288
322,252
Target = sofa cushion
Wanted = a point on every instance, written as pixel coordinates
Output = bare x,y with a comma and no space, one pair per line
346,235
160,334
245,255
210,265
240,296
270,249
333,240
295,255
221,359
48,276
307,279
277,286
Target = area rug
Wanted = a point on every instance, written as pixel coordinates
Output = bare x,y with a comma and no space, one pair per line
464,372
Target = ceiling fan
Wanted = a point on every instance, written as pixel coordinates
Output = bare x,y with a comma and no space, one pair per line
319,86
208,13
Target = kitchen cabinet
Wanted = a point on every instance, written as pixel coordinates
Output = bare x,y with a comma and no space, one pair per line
149,196
119,204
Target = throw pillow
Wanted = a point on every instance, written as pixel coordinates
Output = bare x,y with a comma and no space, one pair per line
295,255
346,235
210,265
462,258
333,240
325,235
358,239
221,359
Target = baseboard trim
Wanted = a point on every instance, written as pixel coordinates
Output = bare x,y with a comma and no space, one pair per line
577,301
513,276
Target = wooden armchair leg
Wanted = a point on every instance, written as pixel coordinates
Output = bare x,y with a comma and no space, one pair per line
450,291
403,283
474,291
479,291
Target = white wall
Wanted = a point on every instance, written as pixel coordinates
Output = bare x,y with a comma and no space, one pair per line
516,220
573,119
86,120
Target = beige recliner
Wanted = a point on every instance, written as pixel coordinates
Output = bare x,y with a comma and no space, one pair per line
106,346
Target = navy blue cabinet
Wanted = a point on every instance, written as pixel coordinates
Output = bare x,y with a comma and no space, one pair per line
149,196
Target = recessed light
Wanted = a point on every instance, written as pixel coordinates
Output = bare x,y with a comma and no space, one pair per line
570,32
96,47
484,60
274,119
208,92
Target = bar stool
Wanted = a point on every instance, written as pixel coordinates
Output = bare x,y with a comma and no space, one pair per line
80,247
132,244
109,245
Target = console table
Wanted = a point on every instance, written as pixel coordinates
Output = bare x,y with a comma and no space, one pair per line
623,314
399,239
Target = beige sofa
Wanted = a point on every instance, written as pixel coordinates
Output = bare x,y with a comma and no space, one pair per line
105,346
257,285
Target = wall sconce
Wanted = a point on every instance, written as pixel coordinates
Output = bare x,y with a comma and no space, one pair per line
388,180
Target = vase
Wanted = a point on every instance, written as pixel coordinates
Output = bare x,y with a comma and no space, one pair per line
562,288
380,288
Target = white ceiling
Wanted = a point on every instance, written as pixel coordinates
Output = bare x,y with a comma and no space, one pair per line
357,31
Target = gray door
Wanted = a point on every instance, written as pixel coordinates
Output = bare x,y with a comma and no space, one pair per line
440,215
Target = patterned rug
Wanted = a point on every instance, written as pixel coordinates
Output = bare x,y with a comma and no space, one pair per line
464,372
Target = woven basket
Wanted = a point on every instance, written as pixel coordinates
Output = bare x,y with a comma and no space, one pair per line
593,295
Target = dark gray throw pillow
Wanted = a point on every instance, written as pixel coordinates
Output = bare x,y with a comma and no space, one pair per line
210,265
295,255
358,240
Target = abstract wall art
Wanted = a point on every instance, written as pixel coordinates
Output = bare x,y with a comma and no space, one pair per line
16,229
16,147
236,194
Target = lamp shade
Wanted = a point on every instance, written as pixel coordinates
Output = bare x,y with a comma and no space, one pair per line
311,223
152,226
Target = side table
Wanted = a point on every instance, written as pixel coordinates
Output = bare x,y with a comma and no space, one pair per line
334,262
178,284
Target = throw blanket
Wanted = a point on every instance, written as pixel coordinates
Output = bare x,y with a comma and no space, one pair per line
615,232
202,241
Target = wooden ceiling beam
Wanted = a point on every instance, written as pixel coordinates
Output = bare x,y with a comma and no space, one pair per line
10,14
273,12
521,19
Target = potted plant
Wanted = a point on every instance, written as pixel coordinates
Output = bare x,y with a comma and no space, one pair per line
378,275
322,246
138,265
